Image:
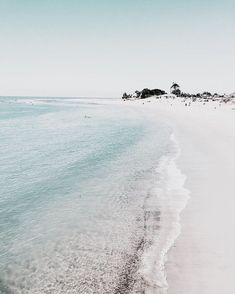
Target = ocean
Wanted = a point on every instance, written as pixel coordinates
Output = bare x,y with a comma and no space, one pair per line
82,196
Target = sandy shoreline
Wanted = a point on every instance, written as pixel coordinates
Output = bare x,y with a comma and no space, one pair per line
202,260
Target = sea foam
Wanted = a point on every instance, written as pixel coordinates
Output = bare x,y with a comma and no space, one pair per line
163,210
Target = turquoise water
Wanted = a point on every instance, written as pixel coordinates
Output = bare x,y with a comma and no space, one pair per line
74,177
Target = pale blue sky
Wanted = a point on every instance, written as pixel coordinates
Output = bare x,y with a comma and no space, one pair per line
102,48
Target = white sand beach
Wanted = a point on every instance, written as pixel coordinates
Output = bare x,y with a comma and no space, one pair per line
202,260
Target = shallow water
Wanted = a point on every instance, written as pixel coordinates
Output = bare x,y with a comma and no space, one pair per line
74,178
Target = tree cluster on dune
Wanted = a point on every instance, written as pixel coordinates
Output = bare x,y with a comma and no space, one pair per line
174,90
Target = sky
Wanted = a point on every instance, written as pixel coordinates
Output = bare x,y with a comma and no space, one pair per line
107,47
